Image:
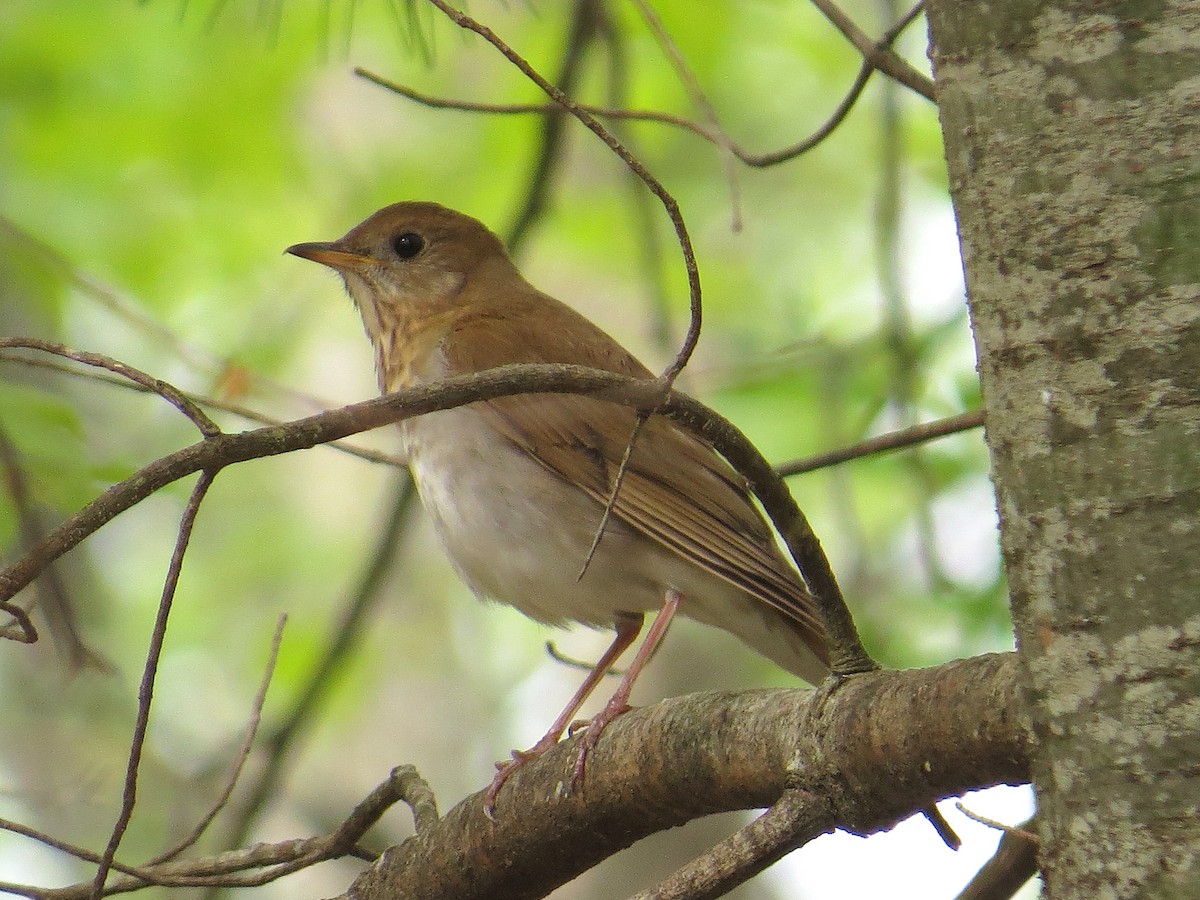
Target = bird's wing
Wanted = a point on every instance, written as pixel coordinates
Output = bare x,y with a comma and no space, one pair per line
698,506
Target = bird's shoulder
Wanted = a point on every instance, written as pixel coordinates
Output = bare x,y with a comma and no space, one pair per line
532,327
677,490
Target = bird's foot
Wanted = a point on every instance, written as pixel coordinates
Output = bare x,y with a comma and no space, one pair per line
591,736
505,768
592,729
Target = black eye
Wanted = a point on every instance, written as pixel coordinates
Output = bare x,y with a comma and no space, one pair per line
408,245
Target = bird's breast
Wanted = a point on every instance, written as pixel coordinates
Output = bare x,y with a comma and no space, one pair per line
515,531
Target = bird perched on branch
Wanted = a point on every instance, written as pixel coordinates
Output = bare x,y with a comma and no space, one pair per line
516,487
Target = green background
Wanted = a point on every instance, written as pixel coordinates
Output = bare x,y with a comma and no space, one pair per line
156,160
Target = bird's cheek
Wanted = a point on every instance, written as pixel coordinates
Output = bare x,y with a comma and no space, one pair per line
442,286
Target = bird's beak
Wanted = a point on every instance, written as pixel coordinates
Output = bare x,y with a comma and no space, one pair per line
332,254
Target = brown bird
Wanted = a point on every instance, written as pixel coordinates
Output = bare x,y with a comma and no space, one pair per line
516,487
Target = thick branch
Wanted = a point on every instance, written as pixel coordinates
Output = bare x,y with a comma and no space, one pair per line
880,747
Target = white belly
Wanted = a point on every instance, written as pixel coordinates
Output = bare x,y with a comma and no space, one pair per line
519,534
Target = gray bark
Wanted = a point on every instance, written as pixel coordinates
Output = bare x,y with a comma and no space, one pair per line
1073,144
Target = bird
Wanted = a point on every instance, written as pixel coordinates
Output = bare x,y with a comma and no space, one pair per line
516,487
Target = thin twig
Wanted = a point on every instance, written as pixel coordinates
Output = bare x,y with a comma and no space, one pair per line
25,632
691,84
80,853
1020,831
893,440
754,160
559,657
656,187
149,673
243,412
272,861
243,753
796,818
553,139
404,781
418,796
168,392
610,504
280,743
55,600
881,58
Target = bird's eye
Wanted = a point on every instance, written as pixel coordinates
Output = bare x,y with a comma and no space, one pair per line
408,244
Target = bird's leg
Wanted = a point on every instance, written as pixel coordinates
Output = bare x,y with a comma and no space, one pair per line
618,703
628,625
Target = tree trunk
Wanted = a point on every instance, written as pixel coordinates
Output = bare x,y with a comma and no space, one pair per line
1072,137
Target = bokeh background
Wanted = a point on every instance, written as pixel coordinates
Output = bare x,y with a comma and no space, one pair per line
157,157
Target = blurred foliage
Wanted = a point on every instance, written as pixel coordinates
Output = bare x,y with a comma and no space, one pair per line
157,157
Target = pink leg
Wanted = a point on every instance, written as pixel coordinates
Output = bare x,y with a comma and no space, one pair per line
618,703
628,627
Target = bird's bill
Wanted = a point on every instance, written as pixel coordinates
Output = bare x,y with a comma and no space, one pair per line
330,253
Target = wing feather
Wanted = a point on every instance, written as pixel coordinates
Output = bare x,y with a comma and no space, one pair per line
699,507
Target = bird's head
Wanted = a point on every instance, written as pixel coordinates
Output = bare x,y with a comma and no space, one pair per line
411,260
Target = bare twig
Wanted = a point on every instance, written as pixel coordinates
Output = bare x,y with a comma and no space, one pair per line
894,440
226,449
145,876
656,187
243,412
618,480
691,84
168,392
755,160
559,657
403,784
24,632
795,819
252,866
881,58
280,743
553,139
149,673
416,793
1021,831
239,761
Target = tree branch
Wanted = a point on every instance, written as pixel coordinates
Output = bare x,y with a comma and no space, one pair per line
213,454
149,674
252,866
552,143
617,112
610,140
882,58
280,744
893,440
881,746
